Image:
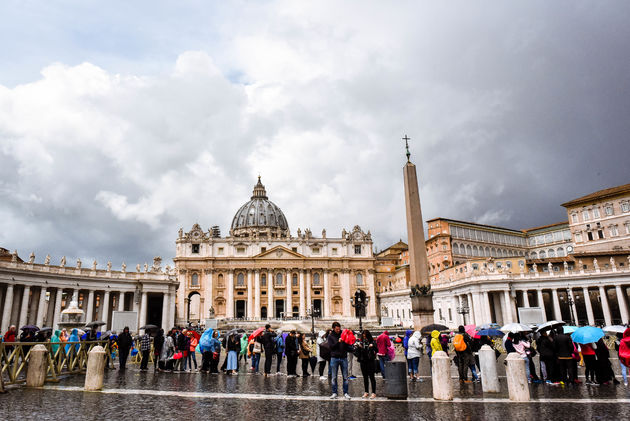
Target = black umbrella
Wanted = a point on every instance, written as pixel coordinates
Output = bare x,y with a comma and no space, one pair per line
30,327
236,332
46,329
430,328
96,323
149,327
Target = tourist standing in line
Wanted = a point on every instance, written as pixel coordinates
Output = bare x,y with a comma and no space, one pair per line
256,350
182,347
268,343
382,343
215,348
304,354
145,347
414,351
366,356
339,359
321,338
522,348
125,342
291,351
563,345
590,362
168,350
233,348
547,356
192,356
158,342
351,375
279,351
605,373
408,334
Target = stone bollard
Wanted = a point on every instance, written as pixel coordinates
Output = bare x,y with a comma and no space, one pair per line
517,378
95,369
441,377
37,366
488,365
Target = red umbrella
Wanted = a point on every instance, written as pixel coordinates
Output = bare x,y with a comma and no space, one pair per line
472,331
195,334
257,332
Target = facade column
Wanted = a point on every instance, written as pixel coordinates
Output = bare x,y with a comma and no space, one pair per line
165,307
605,307
26,292
372,294
326,309
486,306
143,309
106,310
289,299
302,295
507,310
229,305
471,310
121,300
541,303
271,314
479,313
89,313
209,292
8,306
623,304
573,306
57,313
589,306
75,296
345,292
250,295
257,294
557,313
525,299
41,307
309,284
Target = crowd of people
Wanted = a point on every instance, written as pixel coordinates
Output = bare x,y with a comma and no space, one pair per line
336,349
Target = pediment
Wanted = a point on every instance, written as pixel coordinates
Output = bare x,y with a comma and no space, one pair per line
278,253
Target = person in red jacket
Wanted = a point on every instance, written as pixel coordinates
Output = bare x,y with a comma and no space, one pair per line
382,343
623,349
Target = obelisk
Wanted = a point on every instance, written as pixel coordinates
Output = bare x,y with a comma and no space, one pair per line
422,304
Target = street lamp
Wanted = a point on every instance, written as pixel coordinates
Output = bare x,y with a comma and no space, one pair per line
463,310
360,302
312,313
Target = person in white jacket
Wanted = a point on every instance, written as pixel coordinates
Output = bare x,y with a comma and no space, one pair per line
414,352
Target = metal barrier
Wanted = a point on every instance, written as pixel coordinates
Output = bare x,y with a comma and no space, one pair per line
14,358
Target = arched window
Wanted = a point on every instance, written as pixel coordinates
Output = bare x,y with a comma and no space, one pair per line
455,248
336,279
468,250
486,252
278,278
533,255
359,279
194,280
263,282
543,254
296,311
220,281
551,253
493,252
263,312
294,280
240,279
316,278
560,252
475,251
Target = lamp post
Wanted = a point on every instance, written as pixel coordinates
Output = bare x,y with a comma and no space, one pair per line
312,313
360,302
463,310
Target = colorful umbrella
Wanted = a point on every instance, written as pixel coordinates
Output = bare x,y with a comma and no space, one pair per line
615,329
257,332
587,335
515,327
472,331
489,326
549,325
490,332
569,329
430,328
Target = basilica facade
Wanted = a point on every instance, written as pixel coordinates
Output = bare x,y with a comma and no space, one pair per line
260,271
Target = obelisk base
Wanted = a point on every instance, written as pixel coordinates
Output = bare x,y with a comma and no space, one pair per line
422,311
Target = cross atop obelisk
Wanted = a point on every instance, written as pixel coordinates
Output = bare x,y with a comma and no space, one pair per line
422,306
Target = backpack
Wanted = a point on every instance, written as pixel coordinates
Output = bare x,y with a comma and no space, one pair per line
279,344
324,351
459,343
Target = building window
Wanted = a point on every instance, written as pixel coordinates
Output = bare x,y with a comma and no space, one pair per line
578,237
589,235
240,279
609,210
195,248
263,280
574,218
585,215
294,280
614,231
600,234
240,250
357,249
359,279
596,212
625,207
194,280
278,278
334,251
294,249
316,279
220,281
220,251
263,249
315,250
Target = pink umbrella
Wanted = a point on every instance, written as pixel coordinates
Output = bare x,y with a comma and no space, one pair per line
472,331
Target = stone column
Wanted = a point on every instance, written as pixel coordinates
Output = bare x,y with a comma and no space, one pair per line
302,295
8,305
121,300
24,308
89,313
623,304
605,307
257,294
345,292
573,306
525,299
441,377
516,378
557,313
57,313
143,309
372,294
41,307
541,303
486,306
250,292
507,311
488,366
309,283
229,304
480,317
589,306
289,301
209,291
326,309
95,369
165,308
37,366
75,295
105,317
270,310
471,310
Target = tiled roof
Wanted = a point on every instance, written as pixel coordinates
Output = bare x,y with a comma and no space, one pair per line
601,194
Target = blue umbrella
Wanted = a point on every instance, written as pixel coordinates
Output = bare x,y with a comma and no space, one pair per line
490,332
587,335
490,326
569,329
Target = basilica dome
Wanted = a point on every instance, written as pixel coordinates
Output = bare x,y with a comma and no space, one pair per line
259,217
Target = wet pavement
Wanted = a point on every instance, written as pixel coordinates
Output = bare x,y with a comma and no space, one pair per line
146,395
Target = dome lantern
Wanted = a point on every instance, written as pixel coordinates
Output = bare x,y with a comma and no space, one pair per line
260,217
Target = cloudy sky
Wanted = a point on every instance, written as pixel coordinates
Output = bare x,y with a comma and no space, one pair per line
122,121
